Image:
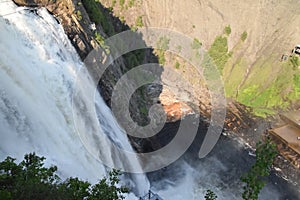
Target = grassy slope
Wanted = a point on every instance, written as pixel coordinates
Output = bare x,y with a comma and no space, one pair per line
269,86
266,86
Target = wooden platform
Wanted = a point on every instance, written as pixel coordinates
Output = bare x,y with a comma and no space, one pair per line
289,136
292,118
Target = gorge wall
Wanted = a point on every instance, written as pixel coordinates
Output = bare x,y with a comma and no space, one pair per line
270,29
248,51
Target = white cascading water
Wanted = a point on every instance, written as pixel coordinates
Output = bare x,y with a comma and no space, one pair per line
38,68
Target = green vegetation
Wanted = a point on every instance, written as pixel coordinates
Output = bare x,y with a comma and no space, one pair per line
264,96
210,195
113,3
227,30
122,19
133,28
295,61
296,84
78,15
143,110
134,58
101,41
98,16
139,22
30,179
244,36
131,3
177,65
122,3
162,46
219,52
163,43
161,57
255,177
196,44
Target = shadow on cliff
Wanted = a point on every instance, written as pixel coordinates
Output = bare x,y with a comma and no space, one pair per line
145,96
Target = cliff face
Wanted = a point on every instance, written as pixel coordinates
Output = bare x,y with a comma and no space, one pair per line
260,32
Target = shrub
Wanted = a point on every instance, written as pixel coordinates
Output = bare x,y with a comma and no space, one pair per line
113,3
294,60
101,41
227,30
162,45
177,65
78,15
131,3
122,3
210,195
244,36
139,22
219,52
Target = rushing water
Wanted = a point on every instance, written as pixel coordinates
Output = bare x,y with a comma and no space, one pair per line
38,68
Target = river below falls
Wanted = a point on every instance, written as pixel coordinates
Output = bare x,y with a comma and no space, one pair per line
220,171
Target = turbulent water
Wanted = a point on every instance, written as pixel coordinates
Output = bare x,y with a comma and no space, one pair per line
38,70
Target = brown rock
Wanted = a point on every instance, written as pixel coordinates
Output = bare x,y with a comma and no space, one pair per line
176,111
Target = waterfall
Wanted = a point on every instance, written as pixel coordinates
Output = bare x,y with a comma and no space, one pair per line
38,71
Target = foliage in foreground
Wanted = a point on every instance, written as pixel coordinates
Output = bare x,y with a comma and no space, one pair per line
30,179
255,178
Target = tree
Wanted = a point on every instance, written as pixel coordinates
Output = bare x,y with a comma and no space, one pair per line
31,180
210,195
255,177
227,30
107,188
75,189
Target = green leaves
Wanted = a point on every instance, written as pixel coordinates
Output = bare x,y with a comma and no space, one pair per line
227,30
30,179
255,177
210,195
107,189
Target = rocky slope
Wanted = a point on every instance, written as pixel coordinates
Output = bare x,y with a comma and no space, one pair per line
270,29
